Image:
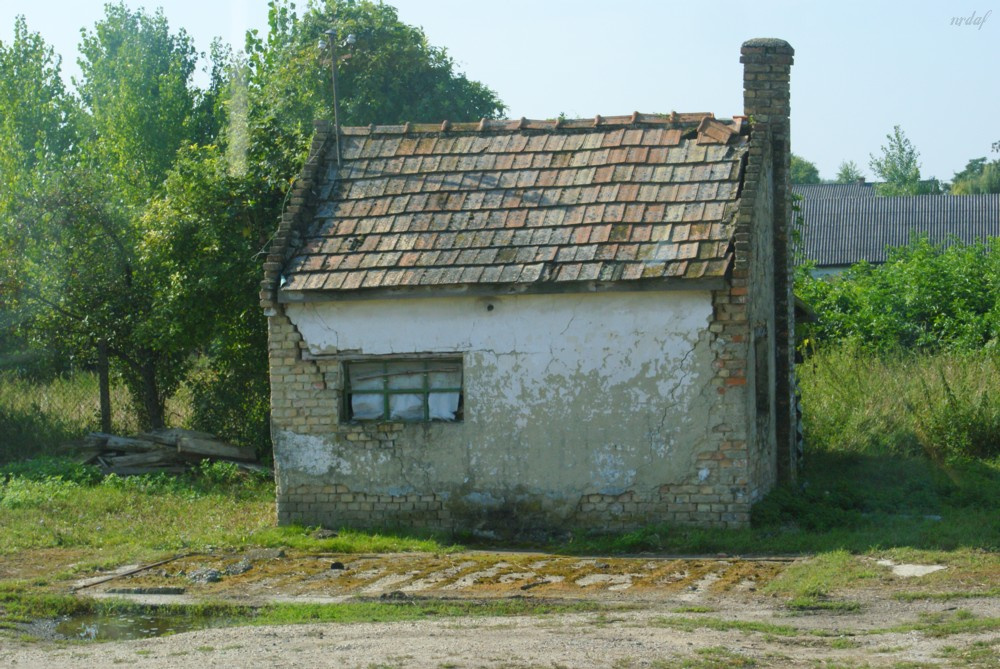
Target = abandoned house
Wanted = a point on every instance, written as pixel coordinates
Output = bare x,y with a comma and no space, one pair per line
529,325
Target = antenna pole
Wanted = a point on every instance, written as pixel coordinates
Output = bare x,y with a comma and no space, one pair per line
332,40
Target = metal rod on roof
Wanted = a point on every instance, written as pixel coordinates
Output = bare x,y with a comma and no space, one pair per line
331,35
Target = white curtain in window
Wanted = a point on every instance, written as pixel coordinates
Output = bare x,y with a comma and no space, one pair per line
443,406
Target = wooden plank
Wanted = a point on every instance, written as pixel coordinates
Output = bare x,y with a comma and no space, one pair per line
131,444
157,457
257,469
86,456
97,438
169,436
139,471
210,448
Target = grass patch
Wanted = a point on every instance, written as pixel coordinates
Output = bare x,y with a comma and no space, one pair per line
716,657
829,605
978,654
694,609
718,624
948,624
946,596
21,604
810,583
57,504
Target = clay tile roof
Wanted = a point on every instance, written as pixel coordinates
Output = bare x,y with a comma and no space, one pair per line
615,198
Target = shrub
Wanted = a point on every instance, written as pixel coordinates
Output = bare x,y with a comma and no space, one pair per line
926,297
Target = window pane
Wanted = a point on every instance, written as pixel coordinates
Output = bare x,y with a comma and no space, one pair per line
445,378
406,375
367,407
443,406
406,407
367,376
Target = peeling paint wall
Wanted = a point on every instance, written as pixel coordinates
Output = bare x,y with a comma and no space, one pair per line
570,400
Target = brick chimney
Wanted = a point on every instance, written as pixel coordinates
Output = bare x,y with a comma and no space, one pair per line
767,65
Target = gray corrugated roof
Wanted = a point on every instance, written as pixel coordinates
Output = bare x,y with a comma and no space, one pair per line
821,191
841,231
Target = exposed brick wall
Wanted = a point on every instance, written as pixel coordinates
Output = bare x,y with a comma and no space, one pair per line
766,82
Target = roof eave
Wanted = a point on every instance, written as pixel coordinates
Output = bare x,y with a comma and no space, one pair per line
499,289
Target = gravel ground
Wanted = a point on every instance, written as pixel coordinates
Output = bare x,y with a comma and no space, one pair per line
663,595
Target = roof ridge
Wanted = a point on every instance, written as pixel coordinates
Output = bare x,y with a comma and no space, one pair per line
671,120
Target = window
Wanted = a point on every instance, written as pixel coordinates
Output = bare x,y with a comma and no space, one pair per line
405,390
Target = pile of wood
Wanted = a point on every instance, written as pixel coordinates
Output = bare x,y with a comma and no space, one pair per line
170,450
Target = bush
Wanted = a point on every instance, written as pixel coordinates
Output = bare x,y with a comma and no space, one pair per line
926,297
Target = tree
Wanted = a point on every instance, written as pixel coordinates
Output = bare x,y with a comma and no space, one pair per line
848,173
207,234
899,168
979,176
85,283
135,88
802,171
36,127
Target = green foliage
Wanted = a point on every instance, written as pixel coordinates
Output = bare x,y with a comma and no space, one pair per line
135,88
219,472
37,416
959,422
141,216
848,173
802,171
926,297
52,468
206,238
35,128
941,405
899,168
978,177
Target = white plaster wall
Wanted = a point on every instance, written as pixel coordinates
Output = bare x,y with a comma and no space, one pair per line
565,394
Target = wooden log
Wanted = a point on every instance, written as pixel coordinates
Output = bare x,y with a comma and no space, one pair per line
130,444
160,456
96,439
86,456
211,448
255,468
169,436
139,471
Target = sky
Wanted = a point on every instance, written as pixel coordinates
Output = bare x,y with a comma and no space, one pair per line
860,67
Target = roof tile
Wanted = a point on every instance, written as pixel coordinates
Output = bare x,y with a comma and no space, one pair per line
612,200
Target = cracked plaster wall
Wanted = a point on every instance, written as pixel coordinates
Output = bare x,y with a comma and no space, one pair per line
565,395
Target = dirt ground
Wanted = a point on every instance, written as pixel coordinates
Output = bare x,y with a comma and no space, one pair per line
660,612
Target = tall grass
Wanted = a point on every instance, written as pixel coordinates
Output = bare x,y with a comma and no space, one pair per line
37,417
940,405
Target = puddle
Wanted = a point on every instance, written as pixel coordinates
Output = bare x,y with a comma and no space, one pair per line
131,626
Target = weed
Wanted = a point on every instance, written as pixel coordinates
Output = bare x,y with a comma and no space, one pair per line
715,657
947,624
693,609
691,624
813,580
813,603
